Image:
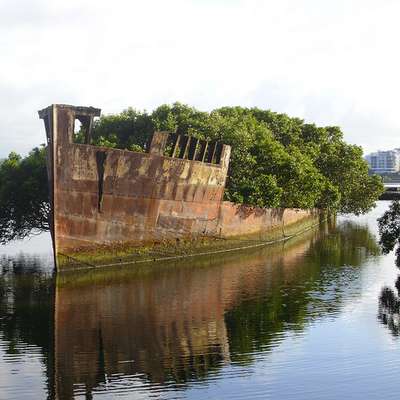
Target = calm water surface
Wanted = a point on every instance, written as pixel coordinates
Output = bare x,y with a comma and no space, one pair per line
303,320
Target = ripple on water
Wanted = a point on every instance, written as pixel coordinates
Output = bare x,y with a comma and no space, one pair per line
294,321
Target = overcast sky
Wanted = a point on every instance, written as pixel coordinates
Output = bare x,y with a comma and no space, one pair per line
332,62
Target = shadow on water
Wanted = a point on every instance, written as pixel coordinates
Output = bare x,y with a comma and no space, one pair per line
27,288
168,326
389,308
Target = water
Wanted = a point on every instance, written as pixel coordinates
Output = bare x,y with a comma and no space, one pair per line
303,320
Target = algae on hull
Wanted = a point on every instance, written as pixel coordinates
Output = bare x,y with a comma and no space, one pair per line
105,198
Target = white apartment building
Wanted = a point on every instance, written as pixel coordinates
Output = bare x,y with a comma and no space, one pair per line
384,161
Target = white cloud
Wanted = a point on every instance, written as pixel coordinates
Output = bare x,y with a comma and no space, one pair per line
334,63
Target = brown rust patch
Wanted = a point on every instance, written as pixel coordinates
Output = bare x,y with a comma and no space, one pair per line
106,196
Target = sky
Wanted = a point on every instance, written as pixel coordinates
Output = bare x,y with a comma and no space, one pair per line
328,62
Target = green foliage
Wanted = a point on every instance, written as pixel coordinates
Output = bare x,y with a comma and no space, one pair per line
345,168
389,230
276,161
110,141
124,129
136,148
24,201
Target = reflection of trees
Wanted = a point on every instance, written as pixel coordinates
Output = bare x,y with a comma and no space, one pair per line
316,287
26,306
389,308
25,290
178,323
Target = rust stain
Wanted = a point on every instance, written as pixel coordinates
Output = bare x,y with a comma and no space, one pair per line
103,195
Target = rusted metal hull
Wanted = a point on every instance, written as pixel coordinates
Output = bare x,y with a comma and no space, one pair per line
105,196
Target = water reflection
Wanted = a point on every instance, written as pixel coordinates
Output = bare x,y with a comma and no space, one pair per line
389,308
158,328
27,291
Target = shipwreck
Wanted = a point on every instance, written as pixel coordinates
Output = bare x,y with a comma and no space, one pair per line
103,196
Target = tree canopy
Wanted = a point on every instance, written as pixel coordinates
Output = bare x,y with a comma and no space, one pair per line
24,197
389,230
276,161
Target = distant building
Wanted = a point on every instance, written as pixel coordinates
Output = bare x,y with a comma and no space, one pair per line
382,162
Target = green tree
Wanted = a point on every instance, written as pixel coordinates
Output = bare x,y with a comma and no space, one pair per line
345,168
130,127
276,161
24,201
389,230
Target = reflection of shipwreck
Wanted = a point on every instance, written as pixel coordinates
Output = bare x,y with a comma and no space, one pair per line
174,326
105,196
170,327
